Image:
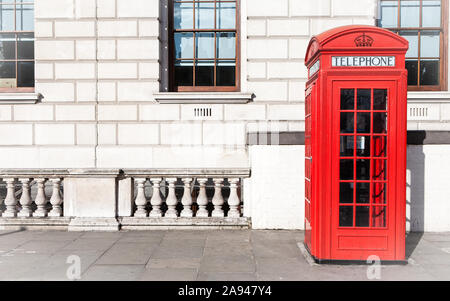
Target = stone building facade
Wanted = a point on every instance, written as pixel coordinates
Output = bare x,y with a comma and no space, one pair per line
101,120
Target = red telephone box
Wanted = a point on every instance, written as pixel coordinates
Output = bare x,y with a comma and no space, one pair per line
355,145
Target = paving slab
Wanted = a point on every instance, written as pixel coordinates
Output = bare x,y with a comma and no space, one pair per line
113,273
220,263
169,274
126,253
226,276
173,263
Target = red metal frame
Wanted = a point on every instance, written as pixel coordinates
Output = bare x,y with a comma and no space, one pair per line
382,231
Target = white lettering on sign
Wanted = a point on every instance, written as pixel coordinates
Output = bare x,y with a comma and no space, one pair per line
314,68
363,61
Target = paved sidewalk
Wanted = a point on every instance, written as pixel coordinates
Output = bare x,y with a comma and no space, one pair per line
197,255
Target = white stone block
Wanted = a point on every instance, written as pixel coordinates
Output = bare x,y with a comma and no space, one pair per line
123,28
43,70
256,70
5,113
117,70
286,112
43,29
16,134
137,91
75,112
297,126
33,112
85,50
138,49
267,126
106,49
106,8
269,90
267,8
148,28
297,48
138,8
125,157
138,134
67,157
19,157
158,112
106,91
74,29
86,134
181,133
288,27
54,9
107,134
297,91
445,112
245,112
74,70
311,8
85,8
149,70
256,27
117,112
54,134
267,49
56,91
86,91
220,133
358,8
54,50
319,25
281,70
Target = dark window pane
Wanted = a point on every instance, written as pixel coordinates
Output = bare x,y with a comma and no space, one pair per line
379,99
346,193
347,146
183,15
7,46
7,75
429,72
25,72
24,17
379,193
184,73
226,73
7,18
362,193
379,122
204,73
379,170
346,216
363,99
347,99
363,146
226,15
363,169
347,122
379,146
412,66
184,45
363,123
362,216
25,46
379,216
346,169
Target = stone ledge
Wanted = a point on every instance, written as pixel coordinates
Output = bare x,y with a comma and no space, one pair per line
94,224
188,172
20,98
34,223
136,223
203,97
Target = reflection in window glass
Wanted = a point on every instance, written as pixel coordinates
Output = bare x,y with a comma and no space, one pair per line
364,99
409,13
183,15
362,216
346,169
184,45
204,18
379,216
379,193
379,99
347,122
226,15
7,18
362,193
204,42
346,216
25,46
347,99
7,46
379,123
24,17
413,39
226,73
346,193
389,11
226,45
184,73
363,146
363,169
379,146
429,44
347,146
363,122
204,73
429,72
412,67
431,13
379,170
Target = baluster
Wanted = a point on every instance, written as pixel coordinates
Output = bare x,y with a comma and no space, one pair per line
202,199
218,198
141,200
187,198
25,198
233,200
56,199
40,200
171,200
10,200
156,199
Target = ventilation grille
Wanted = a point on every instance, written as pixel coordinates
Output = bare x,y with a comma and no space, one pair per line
202,112
418,112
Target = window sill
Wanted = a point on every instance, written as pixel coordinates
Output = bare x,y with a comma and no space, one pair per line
203,97
20,98
434,96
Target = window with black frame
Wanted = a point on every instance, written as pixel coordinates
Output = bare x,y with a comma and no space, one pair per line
421,22
16,45
204,45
